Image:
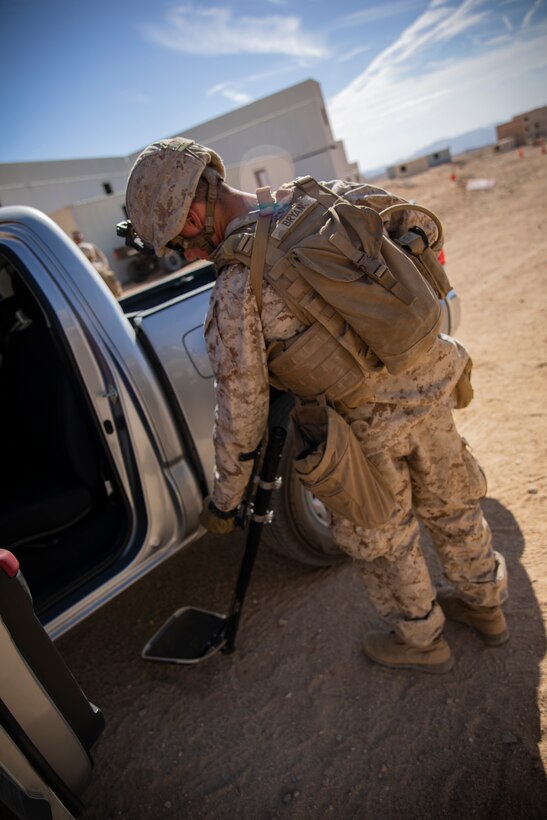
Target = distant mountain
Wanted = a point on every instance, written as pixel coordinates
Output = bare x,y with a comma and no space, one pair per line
371,174
458,145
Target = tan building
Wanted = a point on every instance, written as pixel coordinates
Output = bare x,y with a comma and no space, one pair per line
420,164
525,128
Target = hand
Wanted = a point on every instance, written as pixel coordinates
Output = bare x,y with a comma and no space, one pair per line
214,520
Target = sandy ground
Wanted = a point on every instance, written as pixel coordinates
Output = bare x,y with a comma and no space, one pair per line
297,723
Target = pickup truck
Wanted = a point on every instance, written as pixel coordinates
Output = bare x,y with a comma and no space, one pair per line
106,417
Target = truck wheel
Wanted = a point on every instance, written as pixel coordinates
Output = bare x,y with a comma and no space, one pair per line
300,526
171,262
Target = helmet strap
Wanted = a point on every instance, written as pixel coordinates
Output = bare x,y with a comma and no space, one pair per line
203,240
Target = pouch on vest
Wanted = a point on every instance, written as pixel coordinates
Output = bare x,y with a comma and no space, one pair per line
313,363
463,391
416,243
332,466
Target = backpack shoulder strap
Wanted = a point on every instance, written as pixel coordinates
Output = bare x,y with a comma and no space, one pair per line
258,257
266,205
321,193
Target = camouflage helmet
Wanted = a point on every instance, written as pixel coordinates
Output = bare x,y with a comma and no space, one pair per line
162,185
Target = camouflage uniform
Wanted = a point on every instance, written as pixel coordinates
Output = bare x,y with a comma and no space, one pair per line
100,263
407,426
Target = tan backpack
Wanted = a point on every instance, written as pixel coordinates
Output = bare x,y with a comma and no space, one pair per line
333,264
366,301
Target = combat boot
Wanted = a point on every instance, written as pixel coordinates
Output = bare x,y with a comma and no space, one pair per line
488,621
387,649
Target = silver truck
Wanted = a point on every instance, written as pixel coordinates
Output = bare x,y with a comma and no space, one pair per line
106,417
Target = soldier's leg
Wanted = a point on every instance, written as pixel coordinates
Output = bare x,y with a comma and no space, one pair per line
447,486
392,565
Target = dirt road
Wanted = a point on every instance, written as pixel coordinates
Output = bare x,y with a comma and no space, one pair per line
298,724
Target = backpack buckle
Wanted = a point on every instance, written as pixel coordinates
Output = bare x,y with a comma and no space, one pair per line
245,244
380,271
415,241
372,267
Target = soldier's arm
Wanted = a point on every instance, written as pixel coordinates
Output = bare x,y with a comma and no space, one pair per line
237,352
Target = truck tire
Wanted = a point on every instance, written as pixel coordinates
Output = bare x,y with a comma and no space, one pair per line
171,262
300,527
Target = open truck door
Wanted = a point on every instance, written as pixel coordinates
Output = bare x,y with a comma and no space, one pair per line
47,725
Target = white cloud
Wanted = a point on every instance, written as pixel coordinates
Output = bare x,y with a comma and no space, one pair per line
438,23
216,89
233,90
239,97
530,13
227,90
349,55
375,13
403,100
216,31
459,20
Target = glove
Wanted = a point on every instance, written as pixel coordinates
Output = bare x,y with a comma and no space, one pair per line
215,520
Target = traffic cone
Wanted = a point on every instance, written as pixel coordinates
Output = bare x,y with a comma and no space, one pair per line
520,153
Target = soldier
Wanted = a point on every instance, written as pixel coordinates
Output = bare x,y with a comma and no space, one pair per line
99,262
177,197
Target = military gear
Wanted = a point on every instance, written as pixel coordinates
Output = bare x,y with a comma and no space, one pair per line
416,243
326,244
463,391
161,187
328,359
387,649
333,264
214,520
488,621
332,466
315,363
403,422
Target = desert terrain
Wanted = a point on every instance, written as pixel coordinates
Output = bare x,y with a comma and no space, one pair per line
297,724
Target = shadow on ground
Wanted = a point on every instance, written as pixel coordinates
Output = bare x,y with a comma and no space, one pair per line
297,723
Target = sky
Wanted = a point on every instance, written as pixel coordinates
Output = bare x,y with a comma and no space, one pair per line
90,78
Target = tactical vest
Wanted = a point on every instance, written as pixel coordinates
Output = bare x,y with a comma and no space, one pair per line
368,301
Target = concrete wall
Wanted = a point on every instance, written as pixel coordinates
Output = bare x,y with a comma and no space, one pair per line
97,220
49,186
439,157
506,144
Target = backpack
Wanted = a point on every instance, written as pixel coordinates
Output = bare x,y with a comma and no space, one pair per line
333,264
